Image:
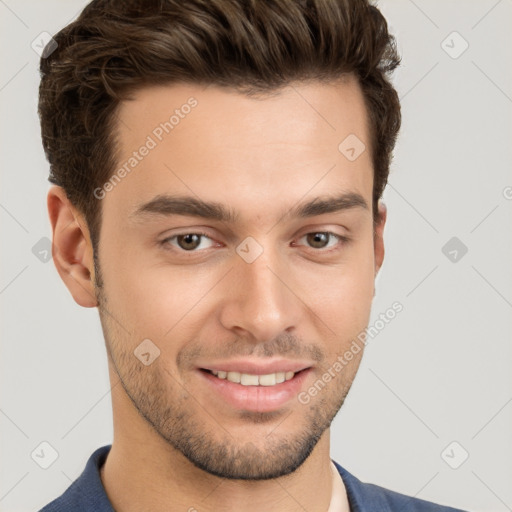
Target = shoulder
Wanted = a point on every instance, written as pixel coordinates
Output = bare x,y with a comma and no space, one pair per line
398,501
367,497
86,493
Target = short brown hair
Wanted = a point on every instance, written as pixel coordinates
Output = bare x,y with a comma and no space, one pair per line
253,46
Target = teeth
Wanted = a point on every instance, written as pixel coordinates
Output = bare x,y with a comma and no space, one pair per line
267,380
233,377
247,379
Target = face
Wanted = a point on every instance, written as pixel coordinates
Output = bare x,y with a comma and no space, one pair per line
255,284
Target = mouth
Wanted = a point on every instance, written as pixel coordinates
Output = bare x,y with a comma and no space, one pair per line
254,392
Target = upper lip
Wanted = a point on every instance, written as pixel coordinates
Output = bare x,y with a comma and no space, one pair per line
256,367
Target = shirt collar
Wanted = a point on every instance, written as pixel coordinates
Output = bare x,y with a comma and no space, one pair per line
362,497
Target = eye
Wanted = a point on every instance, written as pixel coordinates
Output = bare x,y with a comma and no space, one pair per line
192,242
320,239
188,242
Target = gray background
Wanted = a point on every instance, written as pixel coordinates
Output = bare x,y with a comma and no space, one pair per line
439,372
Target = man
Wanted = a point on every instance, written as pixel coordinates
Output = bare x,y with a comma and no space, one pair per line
218,167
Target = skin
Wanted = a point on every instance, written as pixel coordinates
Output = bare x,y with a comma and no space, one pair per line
177,445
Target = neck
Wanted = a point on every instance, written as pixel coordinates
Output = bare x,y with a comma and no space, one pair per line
153,476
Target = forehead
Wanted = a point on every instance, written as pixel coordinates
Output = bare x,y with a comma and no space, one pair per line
219,145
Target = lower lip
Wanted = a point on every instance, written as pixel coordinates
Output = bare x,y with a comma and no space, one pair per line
256,398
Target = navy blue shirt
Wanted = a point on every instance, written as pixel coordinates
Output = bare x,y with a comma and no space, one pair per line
87,494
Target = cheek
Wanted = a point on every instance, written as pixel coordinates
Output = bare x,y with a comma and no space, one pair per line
154,301
144,298
347,289
346,313
346,309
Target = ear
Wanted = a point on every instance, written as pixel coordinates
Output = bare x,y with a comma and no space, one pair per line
72,248
378,237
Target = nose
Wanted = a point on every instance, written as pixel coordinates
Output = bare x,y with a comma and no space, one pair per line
262,298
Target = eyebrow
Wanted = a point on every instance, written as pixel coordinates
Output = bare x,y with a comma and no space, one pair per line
168,205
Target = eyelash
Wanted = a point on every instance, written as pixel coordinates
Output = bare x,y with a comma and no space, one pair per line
343,240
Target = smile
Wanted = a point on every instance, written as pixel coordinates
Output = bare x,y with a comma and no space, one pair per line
254,392
247,379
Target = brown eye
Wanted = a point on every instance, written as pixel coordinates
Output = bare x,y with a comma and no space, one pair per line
318,240
187,242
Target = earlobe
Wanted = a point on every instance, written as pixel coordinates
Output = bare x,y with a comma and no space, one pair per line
378,240
72,248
